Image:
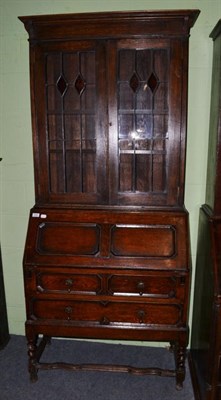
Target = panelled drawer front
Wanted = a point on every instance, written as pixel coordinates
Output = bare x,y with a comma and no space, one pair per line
72,281
152,286
105,313
49,282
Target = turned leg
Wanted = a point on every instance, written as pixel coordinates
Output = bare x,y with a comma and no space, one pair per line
180,356
32,364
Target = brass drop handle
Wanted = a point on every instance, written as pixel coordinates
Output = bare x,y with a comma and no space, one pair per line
69,283
141,315
104,321
140,287
68,311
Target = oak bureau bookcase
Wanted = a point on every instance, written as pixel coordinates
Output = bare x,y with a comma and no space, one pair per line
107,249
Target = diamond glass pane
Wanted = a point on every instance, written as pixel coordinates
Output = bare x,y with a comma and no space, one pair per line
134,82
62,85
152,82
80,84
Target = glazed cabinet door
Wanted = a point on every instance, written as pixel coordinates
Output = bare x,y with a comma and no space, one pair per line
108,123
70,114
145,100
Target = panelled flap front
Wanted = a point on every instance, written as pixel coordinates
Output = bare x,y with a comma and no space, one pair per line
143,240
67,238
108,239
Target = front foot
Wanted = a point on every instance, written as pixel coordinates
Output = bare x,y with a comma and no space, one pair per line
33,374
32,367
180,355
179,385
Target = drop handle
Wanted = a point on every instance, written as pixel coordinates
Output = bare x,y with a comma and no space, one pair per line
69,283
140,287
141,315
104,321
68,311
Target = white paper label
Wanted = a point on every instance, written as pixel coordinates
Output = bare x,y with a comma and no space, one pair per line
35,215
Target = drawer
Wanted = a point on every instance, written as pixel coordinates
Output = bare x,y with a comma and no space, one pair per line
105,313
49,282
151,285
106,282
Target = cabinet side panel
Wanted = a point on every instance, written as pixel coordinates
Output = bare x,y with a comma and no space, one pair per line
213,190
203,305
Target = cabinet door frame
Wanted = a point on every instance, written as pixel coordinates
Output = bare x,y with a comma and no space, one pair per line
176,123
106,125
40,127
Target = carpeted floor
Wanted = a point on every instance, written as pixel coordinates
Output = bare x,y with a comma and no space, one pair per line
81,385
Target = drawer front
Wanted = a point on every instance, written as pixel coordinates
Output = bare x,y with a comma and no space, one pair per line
52,282
105,313
106,282
147,285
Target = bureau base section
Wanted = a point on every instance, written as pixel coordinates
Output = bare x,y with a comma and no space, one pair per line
39,335
107,274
